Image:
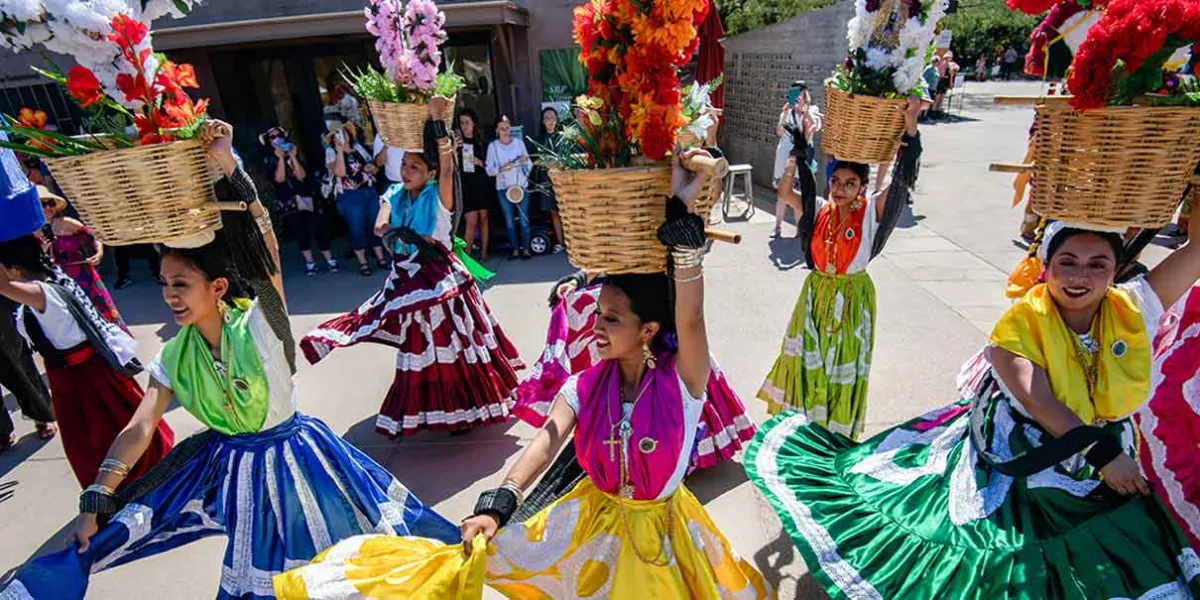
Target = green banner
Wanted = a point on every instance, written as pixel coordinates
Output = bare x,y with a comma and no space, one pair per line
563,78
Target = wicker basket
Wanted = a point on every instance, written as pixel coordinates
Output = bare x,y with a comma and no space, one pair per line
862,129
611,216
402,124
147,194
1124,166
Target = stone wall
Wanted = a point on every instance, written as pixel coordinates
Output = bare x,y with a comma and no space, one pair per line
760,65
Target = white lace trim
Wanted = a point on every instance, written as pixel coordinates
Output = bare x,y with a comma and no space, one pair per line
441,417
15,590
842,573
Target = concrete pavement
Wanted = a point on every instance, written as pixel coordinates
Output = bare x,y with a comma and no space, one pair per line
940,286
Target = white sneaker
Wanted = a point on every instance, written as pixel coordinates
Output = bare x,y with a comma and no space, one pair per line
558,248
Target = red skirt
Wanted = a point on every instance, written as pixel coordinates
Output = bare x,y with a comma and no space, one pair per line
93,404
455,367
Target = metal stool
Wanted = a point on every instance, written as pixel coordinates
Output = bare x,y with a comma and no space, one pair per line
744,171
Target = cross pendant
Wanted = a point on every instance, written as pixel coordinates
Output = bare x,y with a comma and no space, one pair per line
612,443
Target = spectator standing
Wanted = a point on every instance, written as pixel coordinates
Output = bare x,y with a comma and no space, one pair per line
125,254
478,191
1010,62
547,136
390,159
981,68
508,161
351,181
794,115
19,375
78,253
294,195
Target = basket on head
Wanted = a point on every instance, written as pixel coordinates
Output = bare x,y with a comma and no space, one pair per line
145,194
1120,166
611,216
862,129
402,124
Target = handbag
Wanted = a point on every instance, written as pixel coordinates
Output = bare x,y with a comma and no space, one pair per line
515,194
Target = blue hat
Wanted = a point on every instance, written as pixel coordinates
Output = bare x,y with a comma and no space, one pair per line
20,210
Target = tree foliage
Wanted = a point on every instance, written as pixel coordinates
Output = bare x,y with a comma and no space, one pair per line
741,16
983,26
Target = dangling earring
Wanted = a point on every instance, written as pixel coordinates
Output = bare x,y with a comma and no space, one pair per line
648,356
224,310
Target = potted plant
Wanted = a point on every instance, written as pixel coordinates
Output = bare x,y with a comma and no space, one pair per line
889,47
608,168
408,36
138,174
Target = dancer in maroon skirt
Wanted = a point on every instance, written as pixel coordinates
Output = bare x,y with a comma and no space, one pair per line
455,368
90,361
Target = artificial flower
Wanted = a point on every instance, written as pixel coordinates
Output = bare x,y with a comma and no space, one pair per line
83,86
127,31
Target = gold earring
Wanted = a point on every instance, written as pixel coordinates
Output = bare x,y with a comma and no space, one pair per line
224,310
648,356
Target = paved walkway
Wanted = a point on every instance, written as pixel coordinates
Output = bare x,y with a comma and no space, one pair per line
940,287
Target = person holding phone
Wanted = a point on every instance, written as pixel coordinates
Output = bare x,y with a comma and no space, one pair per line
508,161
351,180
77,252
797,115
294,195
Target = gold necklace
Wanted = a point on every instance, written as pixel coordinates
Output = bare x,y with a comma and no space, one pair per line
1091,368
624,488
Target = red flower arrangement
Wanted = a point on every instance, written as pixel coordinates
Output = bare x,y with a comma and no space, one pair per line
632,51
152,88
1130,31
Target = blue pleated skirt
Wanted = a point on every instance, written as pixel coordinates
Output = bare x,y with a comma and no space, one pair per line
280,497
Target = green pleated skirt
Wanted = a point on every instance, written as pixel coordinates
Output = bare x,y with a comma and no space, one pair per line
914,513
825,358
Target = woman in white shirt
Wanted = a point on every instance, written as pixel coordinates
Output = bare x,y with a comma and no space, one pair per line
797,113
508,161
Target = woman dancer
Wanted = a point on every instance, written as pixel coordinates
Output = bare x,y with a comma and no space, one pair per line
1028,487
90,362
826,356
1170,420
77,253
478,194
277,483
628,530
455,367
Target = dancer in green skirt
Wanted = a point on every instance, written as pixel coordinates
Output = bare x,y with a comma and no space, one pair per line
1025,488
826,355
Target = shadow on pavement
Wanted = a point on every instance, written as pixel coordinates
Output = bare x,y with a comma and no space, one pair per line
771,558
435,465
909,219
54,543
709,484
785,253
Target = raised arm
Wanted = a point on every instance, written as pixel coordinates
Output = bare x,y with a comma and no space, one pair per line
904,176
219,136
1177,273
684,232
446,173
280,166
124,452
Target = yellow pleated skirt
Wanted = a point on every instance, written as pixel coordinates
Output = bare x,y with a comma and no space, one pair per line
581,546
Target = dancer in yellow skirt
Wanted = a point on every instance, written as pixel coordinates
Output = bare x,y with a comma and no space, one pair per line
826,355
628,530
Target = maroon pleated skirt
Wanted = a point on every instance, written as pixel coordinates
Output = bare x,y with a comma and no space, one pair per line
93,404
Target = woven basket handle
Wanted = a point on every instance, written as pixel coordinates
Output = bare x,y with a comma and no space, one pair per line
720,235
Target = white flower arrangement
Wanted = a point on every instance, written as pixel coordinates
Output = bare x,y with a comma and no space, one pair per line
698,107
873,66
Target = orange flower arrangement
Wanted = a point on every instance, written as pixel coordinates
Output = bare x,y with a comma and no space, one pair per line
632,51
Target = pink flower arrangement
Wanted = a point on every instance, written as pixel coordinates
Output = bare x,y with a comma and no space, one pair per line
409,38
